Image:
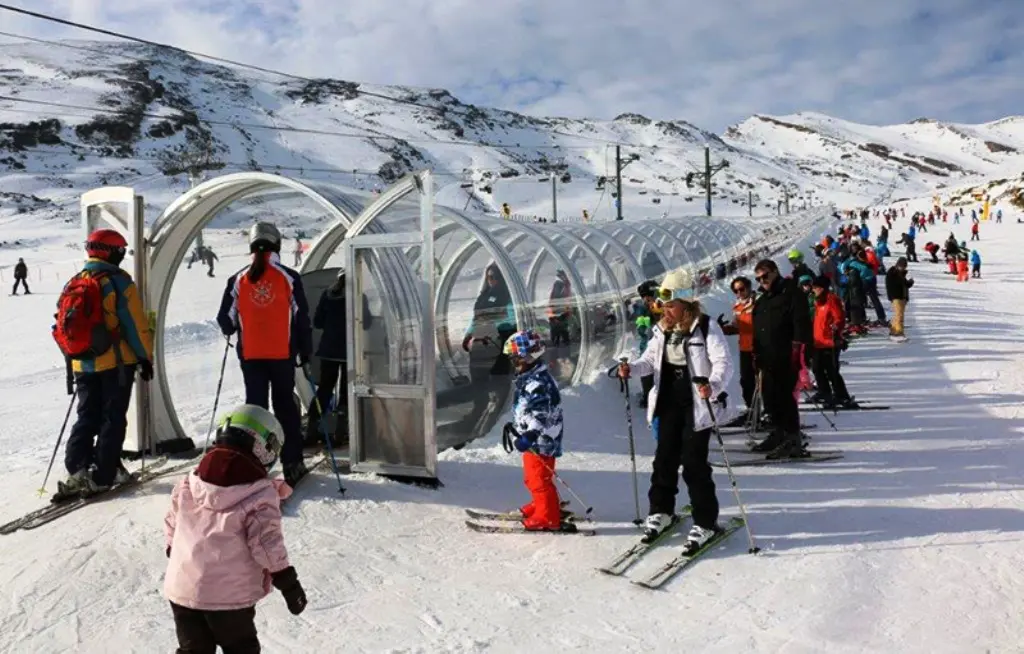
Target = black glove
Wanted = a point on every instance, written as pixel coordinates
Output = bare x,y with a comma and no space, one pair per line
146,369
721,320
287,581
168,551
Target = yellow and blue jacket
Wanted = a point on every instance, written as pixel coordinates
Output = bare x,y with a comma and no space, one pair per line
124,315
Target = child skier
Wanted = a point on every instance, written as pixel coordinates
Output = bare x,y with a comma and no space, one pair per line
224,538
975,264
961,267
536,430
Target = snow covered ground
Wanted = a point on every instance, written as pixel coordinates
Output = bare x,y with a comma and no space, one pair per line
909,544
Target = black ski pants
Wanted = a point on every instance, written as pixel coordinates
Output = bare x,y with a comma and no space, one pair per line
679,445
274,379
331,370
22,282
748,378
646,384
103,399
200,632
826,373
871,290
778,379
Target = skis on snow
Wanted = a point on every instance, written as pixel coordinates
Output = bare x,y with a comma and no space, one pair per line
61,508
662,575
624,561
511,516
506,527
817,456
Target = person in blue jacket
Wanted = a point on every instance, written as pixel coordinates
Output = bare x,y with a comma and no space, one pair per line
975,264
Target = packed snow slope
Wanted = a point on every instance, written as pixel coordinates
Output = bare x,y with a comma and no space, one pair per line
910,543
75,115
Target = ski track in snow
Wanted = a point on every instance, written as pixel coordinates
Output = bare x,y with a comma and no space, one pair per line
909,544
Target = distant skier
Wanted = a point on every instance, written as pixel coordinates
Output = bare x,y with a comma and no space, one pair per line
974,232
105,346
535,430
208,258
266,305
224,540
299,250
975,264
20,277
897,288
689,358
559,309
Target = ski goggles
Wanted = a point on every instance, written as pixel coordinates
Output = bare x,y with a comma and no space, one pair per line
669,294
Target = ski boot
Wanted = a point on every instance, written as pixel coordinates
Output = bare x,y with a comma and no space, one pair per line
769,444
294,472
655,525
79,484
789,449
698,538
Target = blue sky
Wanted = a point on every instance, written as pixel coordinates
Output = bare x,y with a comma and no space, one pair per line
710,63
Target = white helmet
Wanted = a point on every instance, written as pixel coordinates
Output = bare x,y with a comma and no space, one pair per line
253,427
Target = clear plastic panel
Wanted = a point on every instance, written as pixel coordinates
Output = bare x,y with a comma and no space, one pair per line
620,260
669,242
653,262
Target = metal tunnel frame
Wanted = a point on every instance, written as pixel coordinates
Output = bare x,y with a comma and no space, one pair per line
603,262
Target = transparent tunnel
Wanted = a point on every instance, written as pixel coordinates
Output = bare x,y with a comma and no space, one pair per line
573,282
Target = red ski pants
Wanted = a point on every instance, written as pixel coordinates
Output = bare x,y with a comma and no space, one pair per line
544,510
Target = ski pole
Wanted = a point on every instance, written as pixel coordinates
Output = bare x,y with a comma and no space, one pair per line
324,430
754,549
60,437
632,447
821,410
216,398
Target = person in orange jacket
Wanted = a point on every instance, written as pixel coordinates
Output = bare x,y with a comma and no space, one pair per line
266,305
742,325
829,321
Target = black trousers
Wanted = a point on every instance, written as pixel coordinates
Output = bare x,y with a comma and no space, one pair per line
20,281
200,632
826,374
679,445
748,378
778,379
331,370
103,399
976,270
646,384
274,379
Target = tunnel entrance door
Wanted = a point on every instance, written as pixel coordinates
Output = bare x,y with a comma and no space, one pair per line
391,355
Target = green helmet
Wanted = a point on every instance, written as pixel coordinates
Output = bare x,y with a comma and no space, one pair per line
252,427
794,255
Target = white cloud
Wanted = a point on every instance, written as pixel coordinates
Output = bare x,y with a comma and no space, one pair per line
709,63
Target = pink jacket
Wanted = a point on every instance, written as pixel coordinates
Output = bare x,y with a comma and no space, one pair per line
225,541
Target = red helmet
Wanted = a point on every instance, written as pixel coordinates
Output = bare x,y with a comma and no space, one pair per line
106,244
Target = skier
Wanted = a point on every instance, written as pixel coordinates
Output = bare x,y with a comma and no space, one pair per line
649,313
299,249
535,430
687,347
974,231
961,266
796,257
975,264
908,242
781,325
105,349
492,323
265,303
897,288
743,325
932,249
208,257
224,541
559,309
331,318
20,277
829,321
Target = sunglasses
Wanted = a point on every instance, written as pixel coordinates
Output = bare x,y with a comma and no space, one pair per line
763,277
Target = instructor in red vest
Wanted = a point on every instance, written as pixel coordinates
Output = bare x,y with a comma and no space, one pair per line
266,306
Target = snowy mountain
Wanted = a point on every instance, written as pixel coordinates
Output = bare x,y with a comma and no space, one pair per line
84,114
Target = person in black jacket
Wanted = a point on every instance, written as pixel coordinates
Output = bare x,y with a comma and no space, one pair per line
897,288
20,277
782,324
331,317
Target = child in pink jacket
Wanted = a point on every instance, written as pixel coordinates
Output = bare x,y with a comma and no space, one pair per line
224,538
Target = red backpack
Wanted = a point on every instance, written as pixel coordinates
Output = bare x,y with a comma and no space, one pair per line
80,329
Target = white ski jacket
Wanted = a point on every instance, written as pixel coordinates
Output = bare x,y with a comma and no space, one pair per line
709,359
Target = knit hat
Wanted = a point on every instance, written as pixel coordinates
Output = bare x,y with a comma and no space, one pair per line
821,281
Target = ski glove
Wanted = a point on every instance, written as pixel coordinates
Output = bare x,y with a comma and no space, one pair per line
146,369
287,581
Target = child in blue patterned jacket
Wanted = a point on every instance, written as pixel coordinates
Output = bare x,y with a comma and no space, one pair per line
536,429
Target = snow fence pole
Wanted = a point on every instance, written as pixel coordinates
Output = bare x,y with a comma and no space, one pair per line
216,398
323,429
624,384
754,549
60,437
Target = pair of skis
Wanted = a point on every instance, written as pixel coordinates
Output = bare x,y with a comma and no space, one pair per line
60,508
618,566
511,522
